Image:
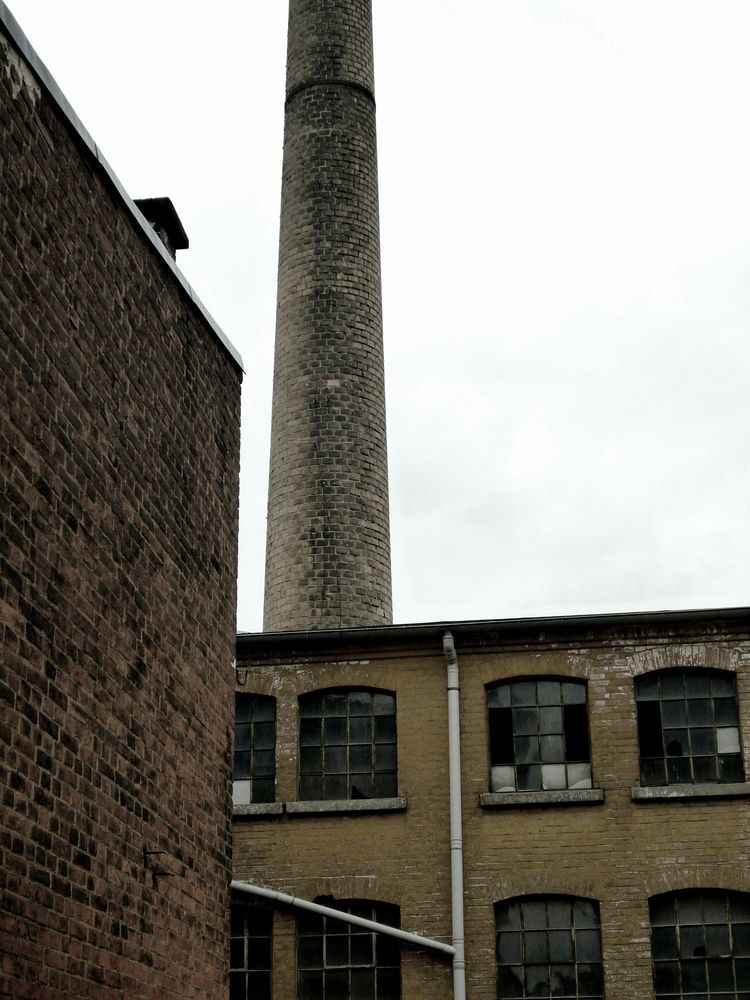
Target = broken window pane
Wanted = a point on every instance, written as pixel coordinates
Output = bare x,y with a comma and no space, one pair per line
681,727
548,725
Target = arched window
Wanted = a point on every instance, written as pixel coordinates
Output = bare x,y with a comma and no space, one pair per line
339,961
250,954
688,728
539,735
700,943
347,745
254,748
549,946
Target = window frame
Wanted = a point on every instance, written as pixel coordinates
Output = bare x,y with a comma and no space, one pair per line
258,976
546,735
524,943
693,720
256,772
379,975
702,930
347,753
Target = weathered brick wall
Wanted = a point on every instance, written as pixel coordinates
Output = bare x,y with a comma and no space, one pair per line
394,857
618,852
328,549
120,436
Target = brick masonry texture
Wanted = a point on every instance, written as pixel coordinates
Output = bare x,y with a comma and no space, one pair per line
618,852
120,445
328,548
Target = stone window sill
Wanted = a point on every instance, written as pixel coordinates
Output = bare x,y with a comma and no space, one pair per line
563,797
257,809
705,790
395,804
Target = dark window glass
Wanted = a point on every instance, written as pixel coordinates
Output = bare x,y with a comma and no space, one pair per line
336,959
699,941
539,735
254,748
250,953
549,947
347,745
687,727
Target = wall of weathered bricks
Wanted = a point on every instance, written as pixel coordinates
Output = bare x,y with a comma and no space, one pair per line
328,549
120,438
618,852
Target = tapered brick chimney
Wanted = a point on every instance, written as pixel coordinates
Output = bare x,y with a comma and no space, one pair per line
328,546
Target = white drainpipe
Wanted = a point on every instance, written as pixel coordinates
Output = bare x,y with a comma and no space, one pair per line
346,918
457,842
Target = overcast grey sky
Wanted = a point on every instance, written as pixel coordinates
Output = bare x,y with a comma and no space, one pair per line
565,213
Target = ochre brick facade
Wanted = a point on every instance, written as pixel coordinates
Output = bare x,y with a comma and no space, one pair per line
328,548
619,851
120,441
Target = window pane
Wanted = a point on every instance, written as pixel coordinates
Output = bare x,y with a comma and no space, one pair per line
549,692
574,693
525,721
501,735
383,704
554,776
526,749
360,730
529,777
264,735
360,703
551,720
649,729
510,981
577,733
385,757
523,693
334,704
385,729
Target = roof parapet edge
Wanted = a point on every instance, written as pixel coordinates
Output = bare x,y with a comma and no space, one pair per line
14,31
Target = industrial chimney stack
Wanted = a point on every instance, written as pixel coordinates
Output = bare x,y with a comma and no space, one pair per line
328,547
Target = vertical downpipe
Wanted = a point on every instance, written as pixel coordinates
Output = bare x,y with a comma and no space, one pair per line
457,842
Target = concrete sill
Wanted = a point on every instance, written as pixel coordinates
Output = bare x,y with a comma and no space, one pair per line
256,810
705,790
396,804
563,797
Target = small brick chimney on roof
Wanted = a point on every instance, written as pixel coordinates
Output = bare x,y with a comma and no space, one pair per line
164,220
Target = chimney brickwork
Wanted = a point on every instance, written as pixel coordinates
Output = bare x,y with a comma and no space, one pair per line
328,547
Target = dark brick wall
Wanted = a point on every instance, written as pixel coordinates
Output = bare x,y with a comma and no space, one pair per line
328,555
120,440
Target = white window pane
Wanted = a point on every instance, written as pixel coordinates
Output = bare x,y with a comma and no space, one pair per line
579,775
503,779
241,793
553,776
728,740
